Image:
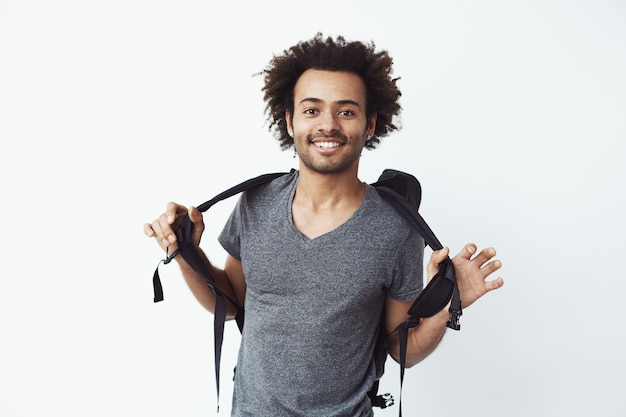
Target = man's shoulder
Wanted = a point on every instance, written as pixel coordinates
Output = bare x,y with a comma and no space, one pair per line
384,218
384,206
271,191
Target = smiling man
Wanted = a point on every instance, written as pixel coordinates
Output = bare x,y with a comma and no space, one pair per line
329,123
317,256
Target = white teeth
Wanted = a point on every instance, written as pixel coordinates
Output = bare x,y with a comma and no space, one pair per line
326,145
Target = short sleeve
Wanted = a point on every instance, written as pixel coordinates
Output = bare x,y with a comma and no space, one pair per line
408,279
230,237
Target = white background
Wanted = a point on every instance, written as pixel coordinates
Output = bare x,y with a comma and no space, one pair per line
514,122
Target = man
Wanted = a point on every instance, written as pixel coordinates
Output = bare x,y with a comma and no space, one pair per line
317,256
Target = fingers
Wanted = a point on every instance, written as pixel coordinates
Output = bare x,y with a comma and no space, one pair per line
472,270
196,218
467,252
439,255
435,259
484,256
174,212
162,228
481,258
494,285
488,267
148,231
491,267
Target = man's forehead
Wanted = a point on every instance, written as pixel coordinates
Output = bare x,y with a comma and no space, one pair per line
329,86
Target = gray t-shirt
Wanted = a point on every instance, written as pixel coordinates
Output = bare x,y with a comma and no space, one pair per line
313,305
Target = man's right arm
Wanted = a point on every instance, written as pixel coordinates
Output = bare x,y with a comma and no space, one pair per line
230,280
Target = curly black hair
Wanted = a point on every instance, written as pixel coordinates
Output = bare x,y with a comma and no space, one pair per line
374,68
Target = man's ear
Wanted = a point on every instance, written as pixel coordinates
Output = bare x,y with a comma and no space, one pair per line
371,125
289,125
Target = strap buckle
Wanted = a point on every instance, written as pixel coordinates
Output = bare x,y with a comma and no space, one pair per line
383,401
454,322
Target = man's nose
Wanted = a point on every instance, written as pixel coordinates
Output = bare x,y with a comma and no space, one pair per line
328,122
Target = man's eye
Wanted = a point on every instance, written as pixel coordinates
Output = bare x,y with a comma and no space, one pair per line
346,113
310,111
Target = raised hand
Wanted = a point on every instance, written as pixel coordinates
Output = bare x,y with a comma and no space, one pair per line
472,273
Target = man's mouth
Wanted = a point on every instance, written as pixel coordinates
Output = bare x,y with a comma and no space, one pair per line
327,145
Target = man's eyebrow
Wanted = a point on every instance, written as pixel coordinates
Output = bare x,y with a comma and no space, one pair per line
310,100
340,102
349,102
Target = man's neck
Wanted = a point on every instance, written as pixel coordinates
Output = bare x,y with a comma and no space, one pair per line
324,191
325,201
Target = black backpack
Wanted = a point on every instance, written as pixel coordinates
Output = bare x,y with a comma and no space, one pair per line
403,191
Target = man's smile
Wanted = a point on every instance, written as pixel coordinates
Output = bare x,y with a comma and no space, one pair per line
327,145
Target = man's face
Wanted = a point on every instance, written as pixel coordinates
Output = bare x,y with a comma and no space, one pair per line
329,124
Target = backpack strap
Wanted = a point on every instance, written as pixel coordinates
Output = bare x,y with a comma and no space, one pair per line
404,192
188,250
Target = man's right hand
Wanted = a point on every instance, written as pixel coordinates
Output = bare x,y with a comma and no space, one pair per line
162,228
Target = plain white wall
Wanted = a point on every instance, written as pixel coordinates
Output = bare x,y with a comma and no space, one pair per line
514,121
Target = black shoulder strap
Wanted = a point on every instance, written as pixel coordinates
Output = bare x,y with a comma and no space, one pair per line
404,192
189,252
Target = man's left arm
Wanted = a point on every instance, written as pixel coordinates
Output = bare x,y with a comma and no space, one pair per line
422,339
471,274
